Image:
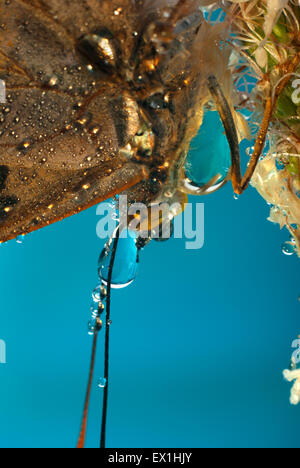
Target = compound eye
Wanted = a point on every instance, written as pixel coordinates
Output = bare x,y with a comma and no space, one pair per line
100,48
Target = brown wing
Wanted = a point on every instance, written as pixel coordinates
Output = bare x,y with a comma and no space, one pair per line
59,129
80,17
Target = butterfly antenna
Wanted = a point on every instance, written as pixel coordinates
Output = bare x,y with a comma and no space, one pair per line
107,328
82,435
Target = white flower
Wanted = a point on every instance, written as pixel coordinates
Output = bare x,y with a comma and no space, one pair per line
291,375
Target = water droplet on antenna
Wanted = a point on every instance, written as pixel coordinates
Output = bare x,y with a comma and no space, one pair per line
96,294
126,261
92,326
102,382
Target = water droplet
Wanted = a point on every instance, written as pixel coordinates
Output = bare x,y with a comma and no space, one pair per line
20,239
95,130
99,323
288,249
94,310
97,308
102,382
53,81
209,154
126,261
96,294
99,294
94,325
25,146
103,292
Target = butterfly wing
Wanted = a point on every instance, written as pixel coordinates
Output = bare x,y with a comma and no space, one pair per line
60,129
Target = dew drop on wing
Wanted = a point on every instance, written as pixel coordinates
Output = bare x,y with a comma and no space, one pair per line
20,239
126,261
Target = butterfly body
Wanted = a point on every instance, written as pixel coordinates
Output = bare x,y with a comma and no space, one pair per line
102,97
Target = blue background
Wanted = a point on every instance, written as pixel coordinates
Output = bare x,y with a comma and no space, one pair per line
198,342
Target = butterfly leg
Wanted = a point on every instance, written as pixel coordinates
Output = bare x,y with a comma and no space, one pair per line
239,182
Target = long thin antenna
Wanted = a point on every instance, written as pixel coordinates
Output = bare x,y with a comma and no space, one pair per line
107,328
82,434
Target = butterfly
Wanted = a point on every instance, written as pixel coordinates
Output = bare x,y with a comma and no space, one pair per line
104,97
